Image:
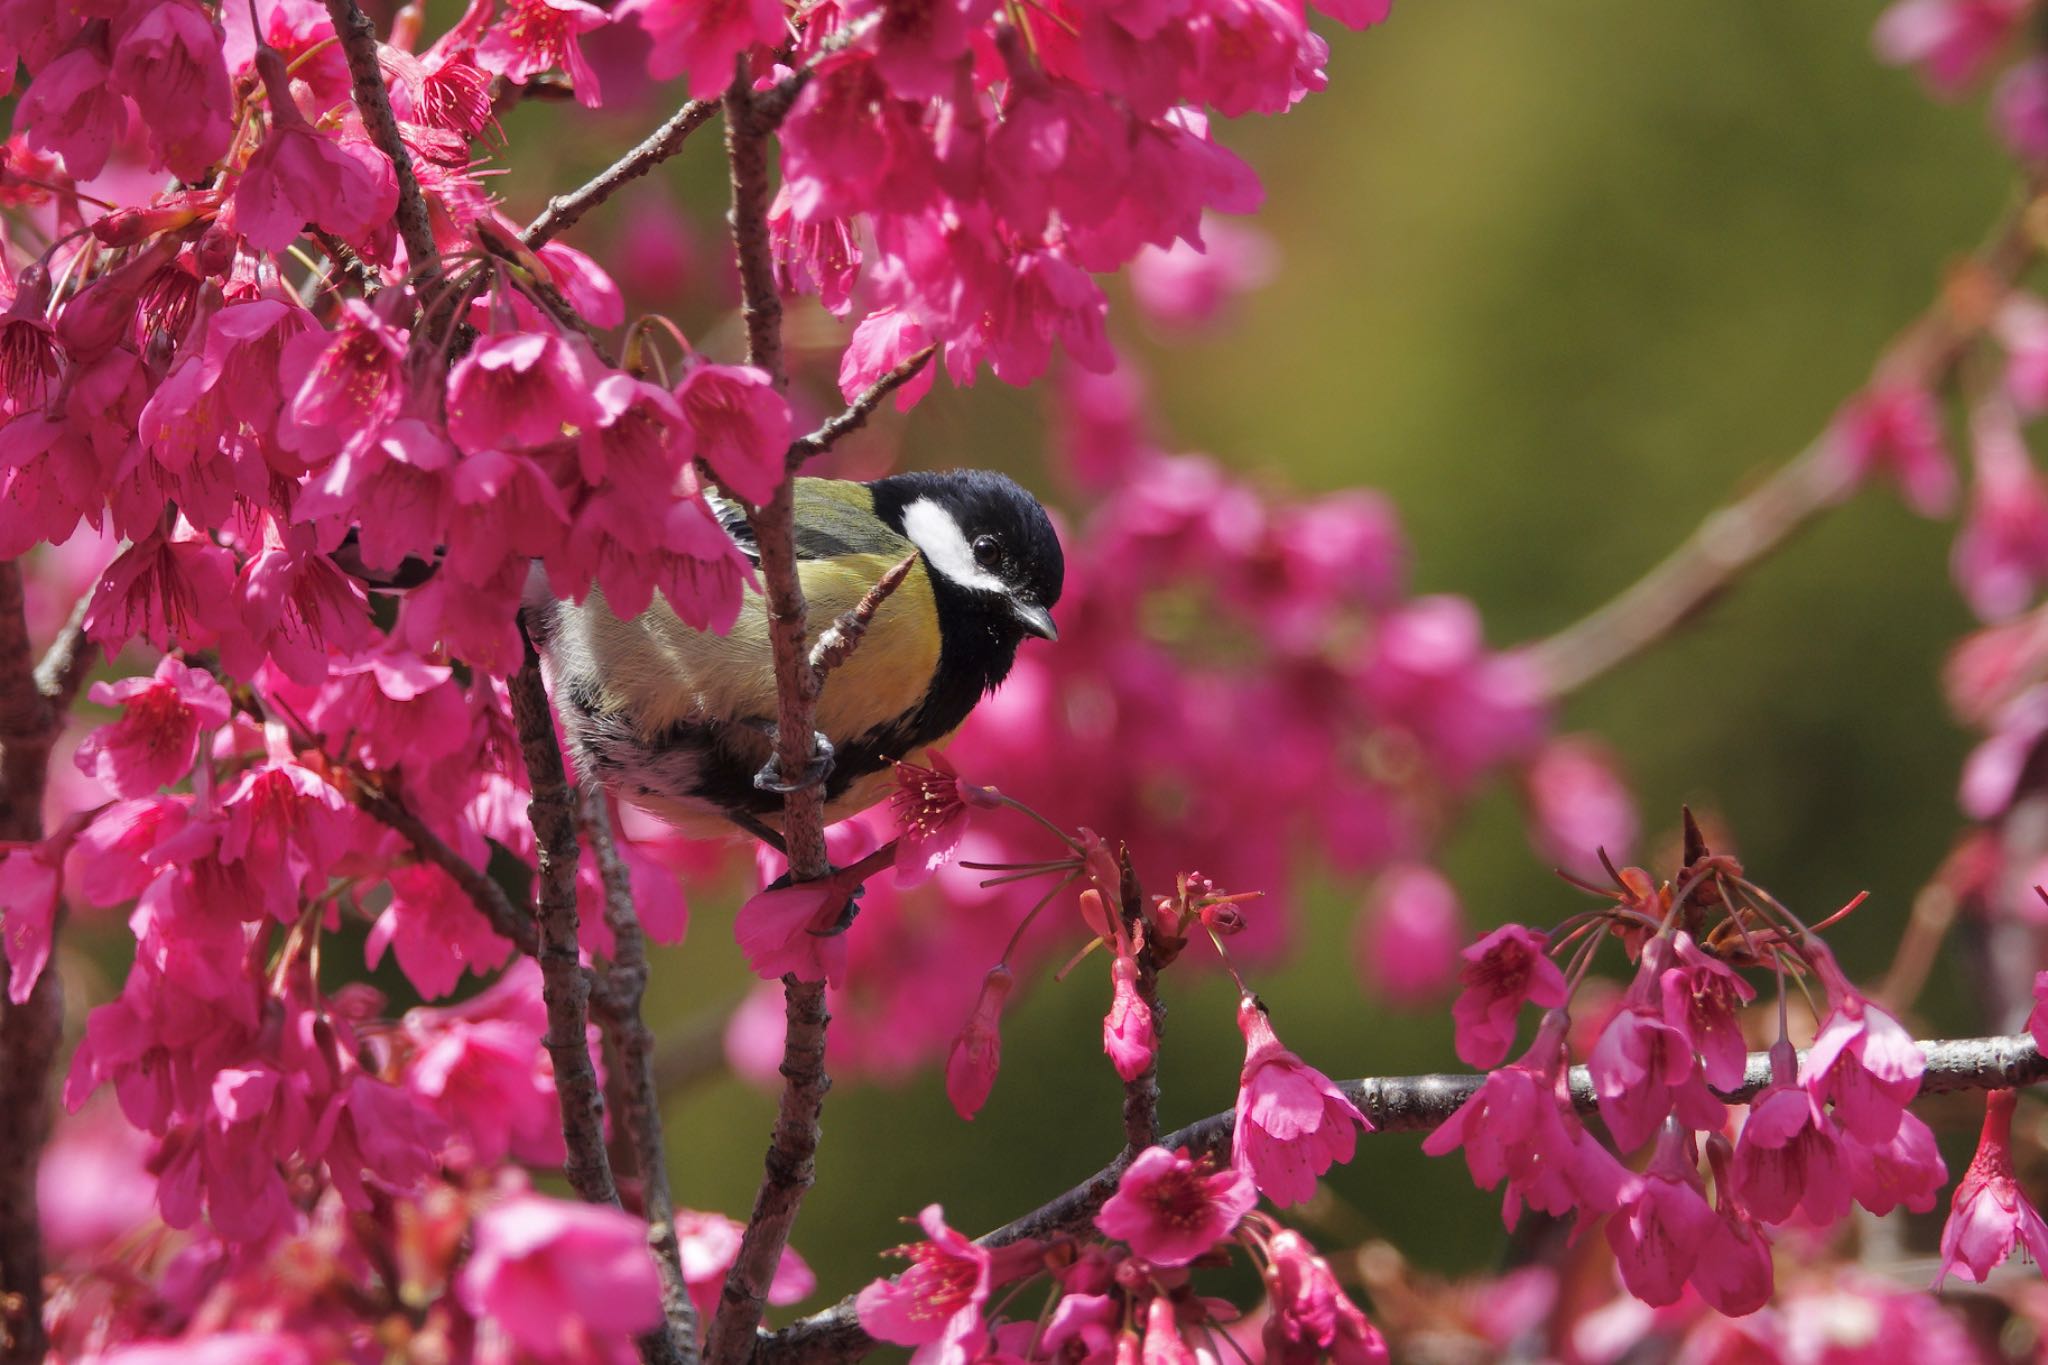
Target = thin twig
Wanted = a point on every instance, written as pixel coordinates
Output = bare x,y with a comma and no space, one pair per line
664,142
564,986
1738,536
789,1167
30,714
66,662
1395,1104
618,1007
838,640
373,102
1141,1092
857,412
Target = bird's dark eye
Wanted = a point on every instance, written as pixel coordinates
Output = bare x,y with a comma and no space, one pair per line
988,551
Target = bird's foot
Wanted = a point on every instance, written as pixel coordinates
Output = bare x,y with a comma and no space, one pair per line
771,779
847,912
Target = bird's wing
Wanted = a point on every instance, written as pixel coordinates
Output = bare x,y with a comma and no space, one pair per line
835,518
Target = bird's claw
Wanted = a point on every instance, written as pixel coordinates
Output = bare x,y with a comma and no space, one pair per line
770,778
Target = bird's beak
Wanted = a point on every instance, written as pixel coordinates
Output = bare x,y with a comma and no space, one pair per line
1035,619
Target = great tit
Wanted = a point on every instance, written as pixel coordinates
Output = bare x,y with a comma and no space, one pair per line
681,722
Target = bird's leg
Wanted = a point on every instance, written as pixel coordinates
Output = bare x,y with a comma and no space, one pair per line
758,830
771,779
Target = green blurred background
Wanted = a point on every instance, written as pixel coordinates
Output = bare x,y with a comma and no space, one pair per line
1558,278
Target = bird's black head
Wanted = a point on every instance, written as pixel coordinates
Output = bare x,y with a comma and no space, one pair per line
984,537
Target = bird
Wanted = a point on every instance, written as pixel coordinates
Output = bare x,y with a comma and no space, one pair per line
681,722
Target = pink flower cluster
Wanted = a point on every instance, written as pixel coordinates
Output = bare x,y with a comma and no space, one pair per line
475,1267
1125,1302
1827,1130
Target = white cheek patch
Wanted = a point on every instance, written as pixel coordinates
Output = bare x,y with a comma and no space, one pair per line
932,529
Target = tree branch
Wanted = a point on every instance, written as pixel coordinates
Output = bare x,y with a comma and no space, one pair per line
564,210
366,74
1735,538
564,986
1395,1104
1141,1092
618,1006
857,413
837,641
32,705
789,1168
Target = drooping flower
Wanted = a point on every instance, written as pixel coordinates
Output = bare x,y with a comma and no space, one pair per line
1643,1066
1788,1156
1578,804
1704,998
1129,1034
1293,1123
1663,1224
1906,1170
1172,1208
739,425
1734,1272
1311,1319
1863,1060
978,1048
563,1280
1517,1127
1502,971
300,174
1990,1214
153,744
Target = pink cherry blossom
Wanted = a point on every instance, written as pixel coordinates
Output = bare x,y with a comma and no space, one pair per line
710,1242
1311,1319
699,39
1408,936
1518,1127
154,742
1734,1272
1643,1066
436,934
72,109
1951,41
518,391
167,58
1990,1214
2000,560
739,425
537,35
1663,1224
1578,804
936,1305
1789,1155
931,804
1896,431
1906,1170
30,879
1172,1208
300,175
1864,1061
882,341
1503,971
1292,1123
563,1281
1129,1033
978,1048
1704,999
